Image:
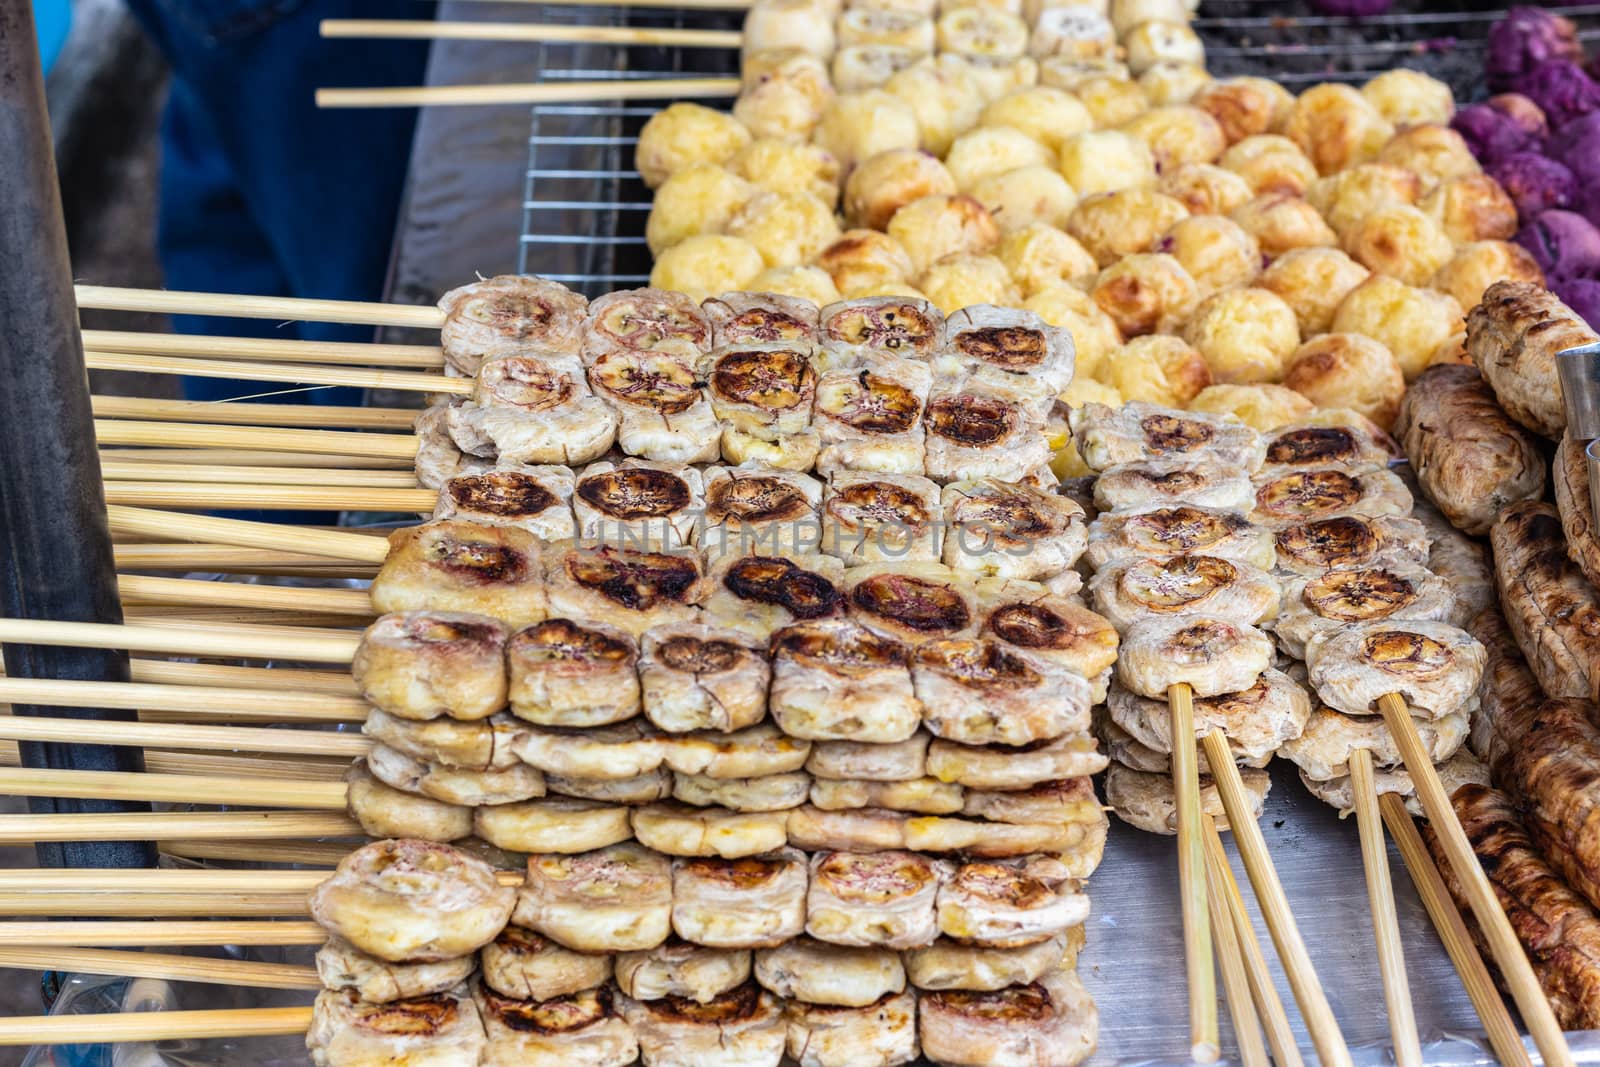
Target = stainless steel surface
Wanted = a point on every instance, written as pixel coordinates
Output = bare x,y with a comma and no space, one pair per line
1580,389
1593,458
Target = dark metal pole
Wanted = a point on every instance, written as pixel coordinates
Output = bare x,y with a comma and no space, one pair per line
55,546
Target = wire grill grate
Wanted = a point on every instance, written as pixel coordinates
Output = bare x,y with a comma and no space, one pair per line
584,207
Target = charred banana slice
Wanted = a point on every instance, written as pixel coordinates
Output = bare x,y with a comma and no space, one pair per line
679,830
1000,344
1139,432
698,677
449,565
911,602
902,761
1312,494
1211,655
1344,542
638,504
536,498
679,969
760,510
773,792
452,785
535,409
1169,482
874,900
815,972
873,518
898,326
552,824
1336,599
754,902
758,594
483,745
1178,530
583,1029
617,899
644,320
1010,530
947,964
760,318
743,1027
525,966
631,590
980,692
1002,906
1433,665
506,314
869,415
442,1030
423,664
1052,1022
625,750
985,429
925,796
1129,590
1256,720
662,411
838,681
1029,617
564,674
384,811
751,753
342,966
1006,767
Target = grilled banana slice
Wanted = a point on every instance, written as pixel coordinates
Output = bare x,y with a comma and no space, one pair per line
911,602
1006,767
815,972
1168,482
1146,802
1331,601
1353,445
762,396
536,498
1211,655
1002,906
583,1029
1010,530
509,313
442,1030
449,565
564,674
1029,617
1256,721
451,785
884,26
751,753
482,745
874,900
838,681
1065,800
1001,344
1139,432
1297,496
1322,751
644,320
760,318
534,409
1178,530
617,899
342,966
1128,590
439,458
874,518
868,415
925,796
755,902
760,510
947,964
1433,665
981,692
867,66
679,969
992,839
525,966
424,664
985,428
898,326
638,504
679,830
856,830
877,1035
1461,769
631,590
644,789
1345,542
741,1028
384,811
608,753
759,594
662,412
1052,1022
552,824
983,33
1075,31
902,761
773,792
699,677
412,901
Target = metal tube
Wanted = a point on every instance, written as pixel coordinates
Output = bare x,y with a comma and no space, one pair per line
55,546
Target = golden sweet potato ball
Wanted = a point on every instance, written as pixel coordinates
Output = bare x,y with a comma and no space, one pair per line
1178,135
937,226
960,281
1113,225
707,265
785,92
1205,189
1046,114
1094,333
1040,256
1472,208
1313,281
1270,163
788,167
1173,81
1246,106
988,150
1433,152
1245,335
1346,198
863,259
945,98
807,283
1337,127
904,289
685,134
1409,321
1479,264
1104,161
700,198
1025,196
995,78
1071,72
889,181
857,126
1281,223
786,228
1409,97
1158,369
1217,252
1146,293
1348,370
1263,406
1112,99
1401,242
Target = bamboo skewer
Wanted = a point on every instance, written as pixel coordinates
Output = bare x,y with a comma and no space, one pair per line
182,735
161,965
171,672
1247,1032
1503,1035
409,29
122,470
158,454
1504,946
269,497
528,93
115,880
303,853
1204,1043
1385,922
82,905
282,350
1285,1050
1303,982
297,373
228,305
155,826
233,642
113,933
153,1026
189,558
173,788
694,5
238,594
276,767
270,438
212,700
360,548
177,614
237,413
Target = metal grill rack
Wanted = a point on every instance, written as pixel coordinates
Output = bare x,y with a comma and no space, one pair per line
584,208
